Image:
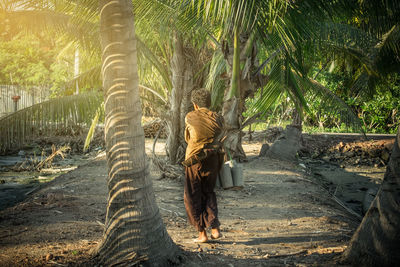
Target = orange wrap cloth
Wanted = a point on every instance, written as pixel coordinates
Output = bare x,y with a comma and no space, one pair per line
203,127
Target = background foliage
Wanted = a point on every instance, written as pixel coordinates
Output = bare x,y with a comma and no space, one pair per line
346,62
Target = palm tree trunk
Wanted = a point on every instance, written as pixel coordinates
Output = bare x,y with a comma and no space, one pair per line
174,123
232,108
377,240
134,230
297,120
182,86
186,104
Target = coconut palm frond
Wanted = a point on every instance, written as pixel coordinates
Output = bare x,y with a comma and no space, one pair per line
154,77
155,11
226,14
390,41
296,91
154,92
62,18
47,117
304,90
346,43
334,105
90,78
298,21
44,19
145,53
167,15
215,81
371,57
388,55
271,92
378,17
89,137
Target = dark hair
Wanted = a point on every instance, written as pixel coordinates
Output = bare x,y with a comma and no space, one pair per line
201,97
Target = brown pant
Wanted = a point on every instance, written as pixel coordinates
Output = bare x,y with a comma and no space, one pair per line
199,196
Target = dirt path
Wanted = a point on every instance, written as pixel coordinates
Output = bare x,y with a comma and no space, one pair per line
280,217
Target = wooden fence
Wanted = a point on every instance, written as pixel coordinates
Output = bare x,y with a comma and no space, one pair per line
28,97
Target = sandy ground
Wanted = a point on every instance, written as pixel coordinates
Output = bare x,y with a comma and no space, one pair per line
281,217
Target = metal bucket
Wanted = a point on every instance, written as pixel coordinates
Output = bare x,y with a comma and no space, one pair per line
218,182
226,176
237,174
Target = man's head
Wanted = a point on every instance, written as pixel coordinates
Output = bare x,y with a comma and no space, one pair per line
201,98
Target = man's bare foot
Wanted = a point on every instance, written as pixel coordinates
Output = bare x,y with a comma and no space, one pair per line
215,233
202,237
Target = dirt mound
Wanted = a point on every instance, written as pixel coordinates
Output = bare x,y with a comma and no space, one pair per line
287,145
347,151
339,149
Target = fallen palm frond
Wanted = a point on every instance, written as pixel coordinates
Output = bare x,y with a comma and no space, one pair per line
55,152
47,117
38,163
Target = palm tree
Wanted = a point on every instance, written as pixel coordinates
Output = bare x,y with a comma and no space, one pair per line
78,24
184,43
58,112
247,27
376,240
134,230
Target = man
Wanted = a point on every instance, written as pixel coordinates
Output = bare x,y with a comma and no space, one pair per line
202,163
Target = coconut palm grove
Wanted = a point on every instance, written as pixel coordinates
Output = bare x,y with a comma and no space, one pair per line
95,137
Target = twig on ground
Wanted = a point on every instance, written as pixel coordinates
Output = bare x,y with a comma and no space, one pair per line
285,255
56,263
177,214
32,190
13,234
332,195
306,180
100,223
346,208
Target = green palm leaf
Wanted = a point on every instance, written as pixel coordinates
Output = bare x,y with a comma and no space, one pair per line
270,93
215,83
47,117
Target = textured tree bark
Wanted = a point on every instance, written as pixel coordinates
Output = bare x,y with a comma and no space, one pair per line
376,242
297,119
134,231
186,106
182,67
232,126
240,87
174,139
